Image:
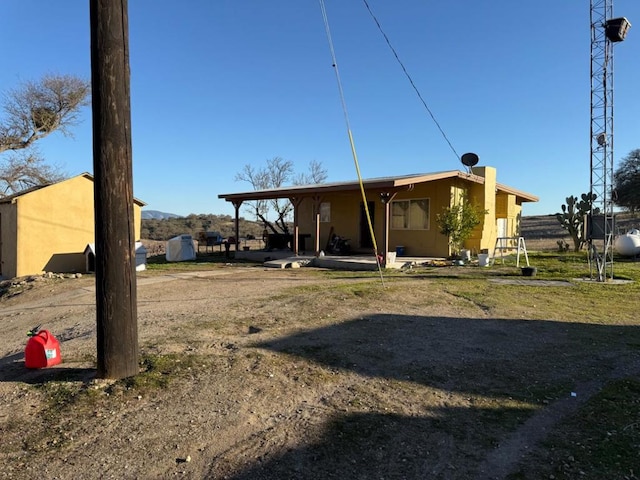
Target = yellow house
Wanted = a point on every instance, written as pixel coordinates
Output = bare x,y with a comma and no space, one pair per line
403,211
47,228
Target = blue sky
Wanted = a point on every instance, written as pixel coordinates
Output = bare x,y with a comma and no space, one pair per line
218,84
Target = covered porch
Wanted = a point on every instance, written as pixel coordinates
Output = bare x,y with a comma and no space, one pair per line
410,205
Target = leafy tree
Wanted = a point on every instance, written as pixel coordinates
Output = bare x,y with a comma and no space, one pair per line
457,221
30,113
277,173
626,180
573,215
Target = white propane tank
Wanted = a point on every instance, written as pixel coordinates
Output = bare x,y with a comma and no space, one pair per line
628,245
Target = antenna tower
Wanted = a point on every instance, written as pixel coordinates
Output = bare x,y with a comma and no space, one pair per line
605,31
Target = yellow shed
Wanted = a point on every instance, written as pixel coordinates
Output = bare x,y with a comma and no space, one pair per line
47,228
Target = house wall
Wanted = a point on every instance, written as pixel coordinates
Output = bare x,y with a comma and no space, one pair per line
345,220
507,207
54,225
344,208
484,195
431,242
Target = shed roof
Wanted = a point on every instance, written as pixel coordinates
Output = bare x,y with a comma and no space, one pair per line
381,183
88,176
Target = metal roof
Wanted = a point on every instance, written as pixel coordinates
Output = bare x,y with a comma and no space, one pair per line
381,183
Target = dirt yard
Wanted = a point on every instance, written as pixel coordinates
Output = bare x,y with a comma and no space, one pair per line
254,373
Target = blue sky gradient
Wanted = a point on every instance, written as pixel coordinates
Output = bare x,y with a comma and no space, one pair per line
216,85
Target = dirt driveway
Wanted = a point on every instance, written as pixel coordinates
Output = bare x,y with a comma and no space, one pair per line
275,374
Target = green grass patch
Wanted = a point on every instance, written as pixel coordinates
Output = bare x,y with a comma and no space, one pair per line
602,440
158,372
209,261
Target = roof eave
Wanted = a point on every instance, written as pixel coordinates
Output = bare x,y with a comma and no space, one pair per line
369,184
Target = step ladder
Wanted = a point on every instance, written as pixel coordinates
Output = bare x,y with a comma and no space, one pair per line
510,243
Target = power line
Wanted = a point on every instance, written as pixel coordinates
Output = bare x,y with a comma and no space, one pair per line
351,142
395,54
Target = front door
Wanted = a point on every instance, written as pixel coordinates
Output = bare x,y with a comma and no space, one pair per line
365,235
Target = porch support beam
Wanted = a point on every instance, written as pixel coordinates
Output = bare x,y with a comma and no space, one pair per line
317,200
296,201
387,198
237,204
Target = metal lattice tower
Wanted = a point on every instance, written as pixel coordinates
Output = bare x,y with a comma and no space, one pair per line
605,31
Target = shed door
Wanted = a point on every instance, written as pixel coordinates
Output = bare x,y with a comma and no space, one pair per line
365,236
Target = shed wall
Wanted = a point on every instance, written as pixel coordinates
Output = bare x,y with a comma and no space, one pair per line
53,225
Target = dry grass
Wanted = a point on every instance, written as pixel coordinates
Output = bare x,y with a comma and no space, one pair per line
443,373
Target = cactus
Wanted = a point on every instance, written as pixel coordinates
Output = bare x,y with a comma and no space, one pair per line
573,215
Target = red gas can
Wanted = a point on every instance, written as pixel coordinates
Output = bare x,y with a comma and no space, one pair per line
42,350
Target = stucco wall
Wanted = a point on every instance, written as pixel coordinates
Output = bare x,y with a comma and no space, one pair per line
484,195
507,207
346,217
426,242
345,220
54,225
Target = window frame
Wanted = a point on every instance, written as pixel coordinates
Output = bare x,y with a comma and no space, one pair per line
407,214
325,212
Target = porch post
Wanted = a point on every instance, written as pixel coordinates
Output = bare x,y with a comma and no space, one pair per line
316,202
295,201
236,205
386,198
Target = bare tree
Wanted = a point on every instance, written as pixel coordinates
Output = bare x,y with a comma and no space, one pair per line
317,174
278,173
30,113
25,170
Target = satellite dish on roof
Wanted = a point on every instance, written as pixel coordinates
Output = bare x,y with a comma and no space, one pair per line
469,159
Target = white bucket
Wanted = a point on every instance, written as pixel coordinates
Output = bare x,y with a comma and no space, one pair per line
391,257
483,259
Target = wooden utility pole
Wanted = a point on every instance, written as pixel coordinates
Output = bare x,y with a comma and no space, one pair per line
117,330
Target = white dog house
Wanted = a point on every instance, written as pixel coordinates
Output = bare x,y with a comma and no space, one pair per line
90,256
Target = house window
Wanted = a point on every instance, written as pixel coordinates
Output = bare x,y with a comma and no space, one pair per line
410,214
325,212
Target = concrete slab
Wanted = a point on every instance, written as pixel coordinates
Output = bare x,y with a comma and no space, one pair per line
289,262
286,259
537,283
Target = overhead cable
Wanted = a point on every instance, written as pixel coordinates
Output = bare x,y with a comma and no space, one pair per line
395,54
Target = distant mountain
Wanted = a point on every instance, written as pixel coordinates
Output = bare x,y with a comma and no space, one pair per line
156,215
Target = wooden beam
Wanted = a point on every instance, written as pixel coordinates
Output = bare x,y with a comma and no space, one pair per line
386,198
317,200
237,204
296,201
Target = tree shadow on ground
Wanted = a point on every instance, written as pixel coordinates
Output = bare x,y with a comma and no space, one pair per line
518,367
